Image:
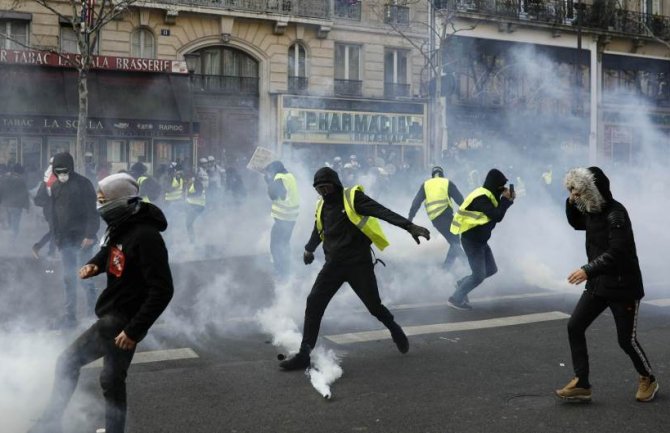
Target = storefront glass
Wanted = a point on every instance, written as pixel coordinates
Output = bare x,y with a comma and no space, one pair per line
9,150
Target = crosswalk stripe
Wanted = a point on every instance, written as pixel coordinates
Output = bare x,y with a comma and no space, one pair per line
154,356
477,300
361,337
665,302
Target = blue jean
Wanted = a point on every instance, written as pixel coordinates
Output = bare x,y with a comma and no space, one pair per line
74,257
482,264
280,246
97,341
14,220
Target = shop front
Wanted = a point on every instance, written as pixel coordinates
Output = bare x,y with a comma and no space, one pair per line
316,130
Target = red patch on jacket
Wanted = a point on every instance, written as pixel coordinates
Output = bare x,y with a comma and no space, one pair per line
117,261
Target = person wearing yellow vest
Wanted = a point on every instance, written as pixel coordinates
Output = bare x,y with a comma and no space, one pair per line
346,221
174,191
196,200
438,194
283,191
474,221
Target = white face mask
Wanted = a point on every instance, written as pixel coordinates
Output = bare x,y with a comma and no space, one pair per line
63,177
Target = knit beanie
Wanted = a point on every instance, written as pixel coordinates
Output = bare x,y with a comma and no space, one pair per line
118,185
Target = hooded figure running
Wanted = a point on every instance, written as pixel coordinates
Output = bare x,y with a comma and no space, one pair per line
612,275
476,218
346,222
139,288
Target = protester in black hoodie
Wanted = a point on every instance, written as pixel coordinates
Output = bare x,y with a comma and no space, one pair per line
612,275
74,227
139,288
478,215
348,259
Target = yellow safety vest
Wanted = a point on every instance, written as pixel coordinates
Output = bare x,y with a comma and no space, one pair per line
176,193
287,209
368,225
466,219
547,176
140,181
437,196
198,200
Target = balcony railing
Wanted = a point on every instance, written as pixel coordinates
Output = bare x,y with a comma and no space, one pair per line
394,90
297,84
348,87
596,16
348,9
299,8
394,14
226,84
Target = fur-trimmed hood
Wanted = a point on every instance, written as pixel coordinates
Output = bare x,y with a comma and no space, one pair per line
593,187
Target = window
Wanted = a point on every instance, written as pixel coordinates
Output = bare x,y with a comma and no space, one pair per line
395,66
296,61
650,6
13,34
142,44
227,61
68,39
347,62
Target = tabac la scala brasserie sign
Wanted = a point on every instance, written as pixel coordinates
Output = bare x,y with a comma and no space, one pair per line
69,60
53,125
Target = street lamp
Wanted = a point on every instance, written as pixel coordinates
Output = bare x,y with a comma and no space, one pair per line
192,62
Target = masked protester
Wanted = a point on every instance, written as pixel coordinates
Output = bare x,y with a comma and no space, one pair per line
139,288
475,219
346,222
283,191
438,195
74,228
612,275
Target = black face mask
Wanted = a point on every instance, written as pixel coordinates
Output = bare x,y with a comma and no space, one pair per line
117,211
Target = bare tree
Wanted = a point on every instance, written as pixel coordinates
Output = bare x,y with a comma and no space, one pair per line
87,18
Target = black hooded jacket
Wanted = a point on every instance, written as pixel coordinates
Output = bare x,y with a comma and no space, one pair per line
72,206
343,242
139,281
276,188
493,182
613,269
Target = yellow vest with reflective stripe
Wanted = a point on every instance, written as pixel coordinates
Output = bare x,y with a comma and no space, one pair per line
547,176
192,198
466,219
368,225
437,196
176,193
287,209
140,181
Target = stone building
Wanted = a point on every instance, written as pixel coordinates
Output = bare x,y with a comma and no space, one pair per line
308,78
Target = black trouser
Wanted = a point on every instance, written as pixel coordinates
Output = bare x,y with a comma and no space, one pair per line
361,278
443,225
482,263
97,341
625,318
280,245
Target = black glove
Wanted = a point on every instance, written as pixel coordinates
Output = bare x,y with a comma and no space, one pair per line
417,232
307,257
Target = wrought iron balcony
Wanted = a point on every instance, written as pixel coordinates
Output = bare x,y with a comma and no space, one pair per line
394,90
298,8
297,84
394,14
226,84
348,87
348,9
566,13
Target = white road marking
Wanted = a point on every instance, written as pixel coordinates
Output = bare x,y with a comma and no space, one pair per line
154,356
665,302
478,300
438,328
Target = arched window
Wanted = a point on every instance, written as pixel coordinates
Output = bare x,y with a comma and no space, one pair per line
296,61
143,44
227,70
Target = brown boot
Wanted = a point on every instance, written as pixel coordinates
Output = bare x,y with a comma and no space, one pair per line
573,393
647,389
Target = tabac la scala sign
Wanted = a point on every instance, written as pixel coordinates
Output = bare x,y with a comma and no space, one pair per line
68,60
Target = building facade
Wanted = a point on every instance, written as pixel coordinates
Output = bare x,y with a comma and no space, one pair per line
567,81
304,78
